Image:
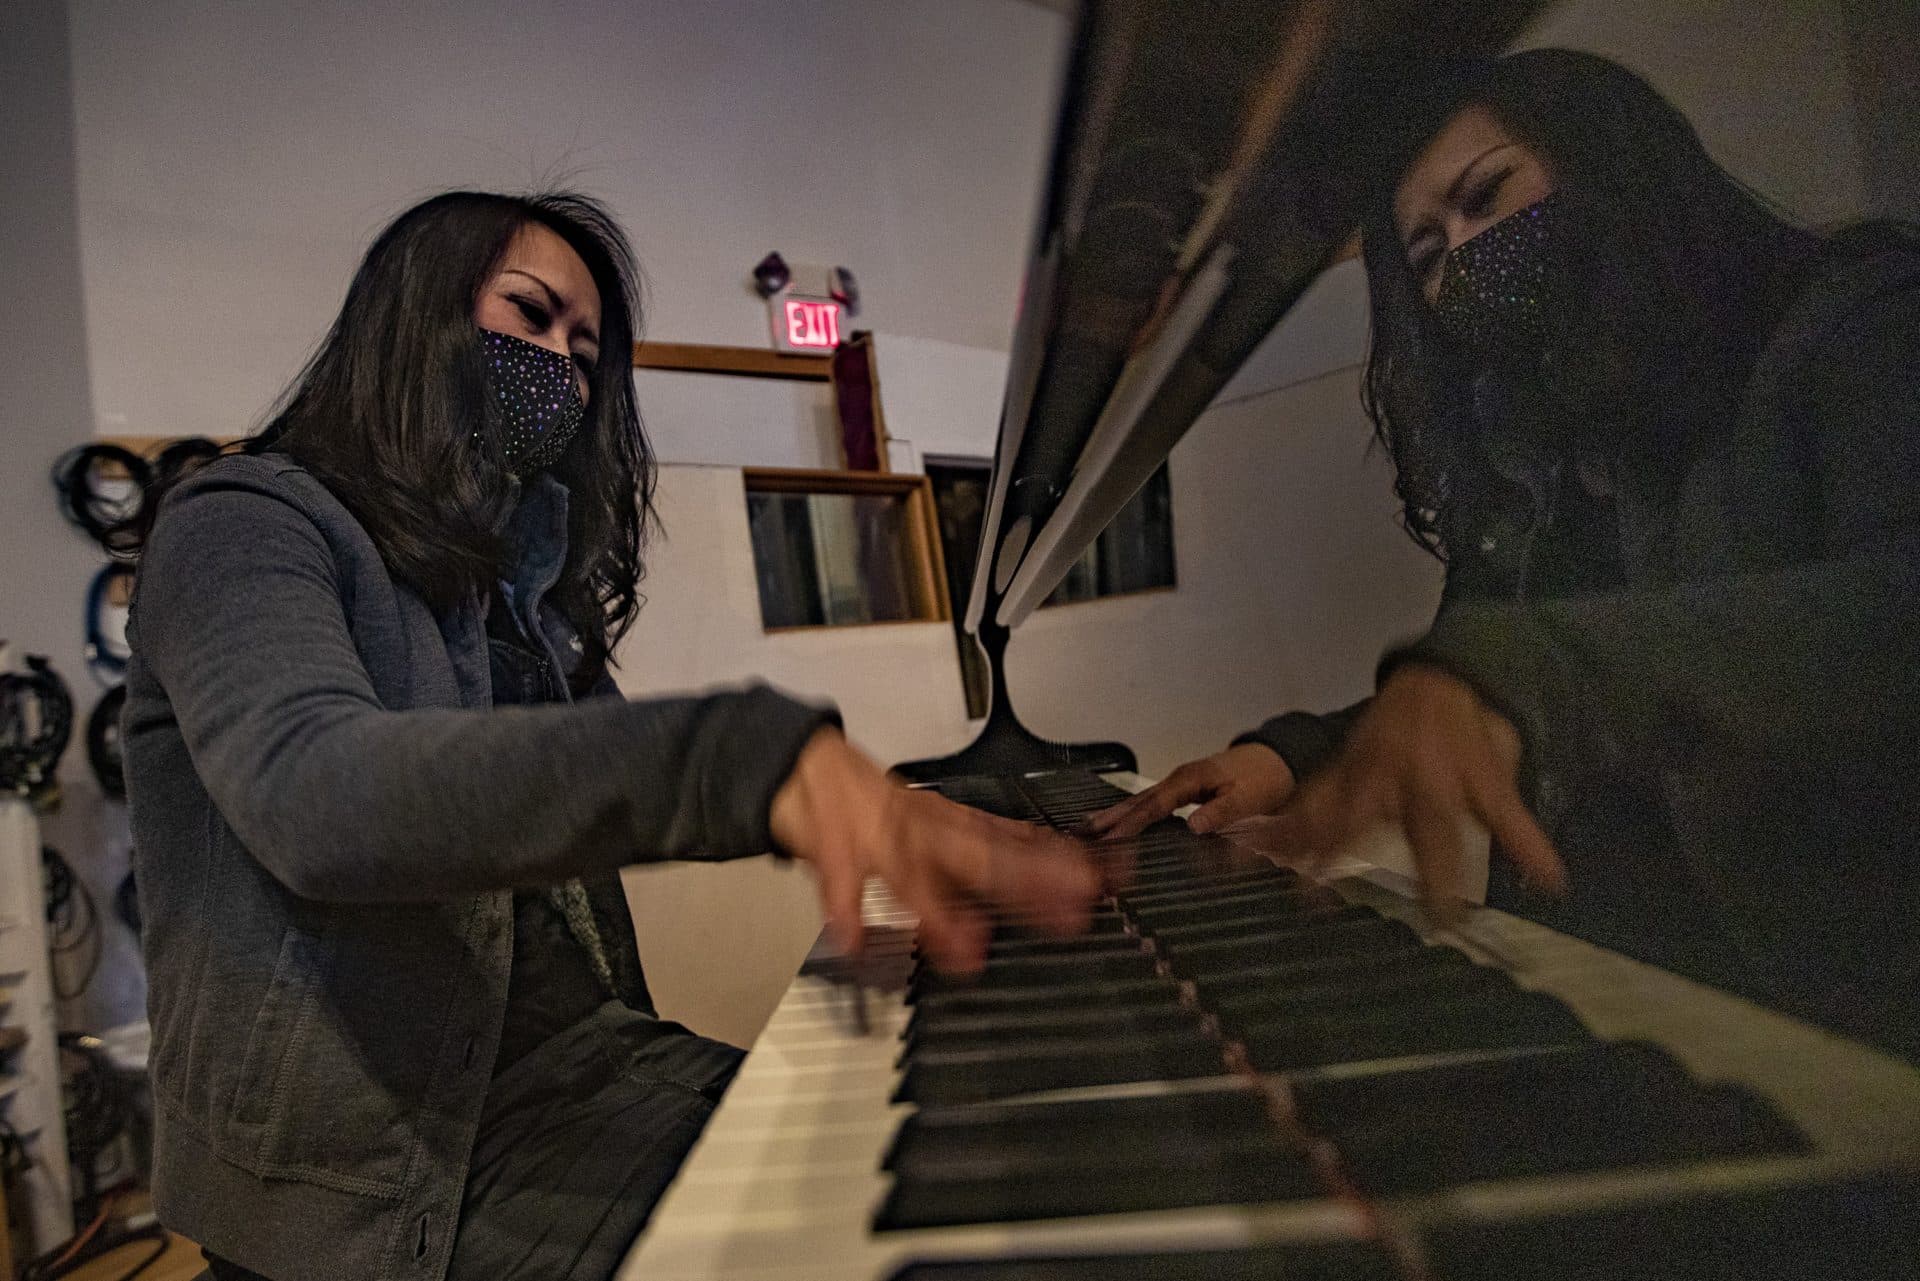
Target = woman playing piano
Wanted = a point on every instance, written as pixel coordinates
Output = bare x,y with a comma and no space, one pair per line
1667,445
382,784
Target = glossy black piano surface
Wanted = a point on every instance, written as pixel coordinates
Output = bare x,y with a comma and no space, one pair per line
1239,1073
1261,992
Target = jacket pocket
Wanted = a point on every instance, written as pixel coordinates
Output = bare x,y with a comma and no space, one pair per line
376,1035
277,1028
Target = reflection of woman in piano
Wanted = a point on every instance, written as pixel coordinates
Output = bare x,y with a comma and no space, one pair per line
399,1020
1667,446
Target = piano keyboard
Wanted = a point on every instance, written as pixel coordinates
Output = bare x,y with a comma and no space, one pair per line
1238,1073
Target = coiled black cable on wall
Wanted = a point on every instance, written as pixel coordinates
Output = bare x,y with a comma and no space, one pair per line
103,742
106,656
36,721
108,508
108,518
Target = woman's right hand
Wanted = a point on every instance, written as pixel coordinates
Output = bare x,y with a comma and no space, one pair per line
1241,782
839,812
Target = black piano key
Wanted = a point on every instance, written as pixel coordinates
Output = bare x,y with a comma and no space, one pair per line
1513,1020
1391,983
1012,943
1089,1154
1031,1029
1242,1171
1166,1008
1140,902
1184,874
1000,796
1863,1229
1039,971
1240,922
1603,1110
1338,1261
1718,1122
1277,907
1379,937
1151,990
1102,924
939,1077
1134,1125
1226,985
1577,1073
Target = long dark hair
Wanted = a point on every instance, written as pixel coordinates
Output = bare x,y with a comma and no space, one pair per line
385,412
1682,273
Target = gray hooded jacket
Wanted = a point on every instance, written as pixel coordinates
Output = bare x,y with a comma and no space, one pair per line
330,818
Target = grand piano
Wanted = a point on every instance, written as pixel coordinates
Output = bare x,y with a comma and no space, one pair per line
1239,1073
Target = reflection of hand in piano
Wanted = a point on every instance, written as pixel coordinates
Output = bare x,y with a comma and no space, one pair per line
1240,783
1425,756
839,812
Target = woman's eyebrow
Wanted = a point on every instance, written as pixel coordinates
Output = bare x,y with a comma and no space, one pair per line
1460,179
556,302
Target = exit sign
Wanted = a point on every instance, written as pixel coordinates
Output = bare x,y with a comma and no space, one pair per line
805,324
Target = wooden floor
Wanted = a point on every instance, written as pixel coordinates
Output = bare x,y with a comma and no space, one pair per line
181,1262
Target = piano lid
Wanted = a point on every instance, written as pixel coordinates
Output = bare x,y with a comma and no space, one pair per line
1206,166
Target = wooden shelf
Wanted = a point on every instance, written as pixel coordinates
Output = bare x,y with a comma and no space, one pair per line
745,362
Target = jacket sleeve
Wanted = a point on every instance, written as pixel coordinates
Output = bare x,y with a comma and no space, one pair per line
1305,740
239,618
1815,662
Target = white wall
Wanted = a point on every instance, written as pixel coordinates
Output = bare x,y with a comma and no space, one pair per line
942,396
234,160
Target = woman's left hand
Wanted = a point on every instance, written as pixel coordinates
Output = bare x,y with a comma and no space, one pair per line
1426,755
954,867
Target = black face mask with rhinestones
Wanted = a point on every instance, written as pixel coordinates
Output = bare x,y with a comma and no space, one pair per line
536,400
1497,288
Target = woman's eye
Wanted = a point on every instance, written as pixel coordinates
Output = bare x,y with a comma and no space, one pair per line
536,315
1480,199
